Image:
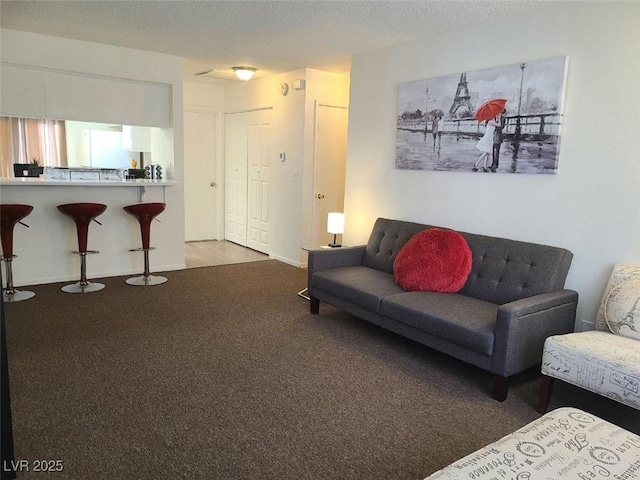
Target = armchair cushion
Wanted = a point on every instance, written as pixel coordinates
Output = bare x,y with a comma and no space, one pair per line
596,361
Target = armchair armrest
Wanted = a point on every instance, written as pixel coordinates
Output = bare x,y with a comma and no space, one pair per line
523,326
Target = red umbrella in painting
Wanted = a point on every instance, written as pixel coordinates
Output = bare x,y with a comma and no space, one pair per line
490,109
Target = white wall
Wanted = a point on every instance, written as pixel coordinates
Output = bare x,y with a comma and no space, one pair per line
591,207
102,62
201,94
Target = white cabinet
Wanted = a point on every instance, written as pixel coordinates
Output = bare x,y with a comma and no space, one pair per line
136,139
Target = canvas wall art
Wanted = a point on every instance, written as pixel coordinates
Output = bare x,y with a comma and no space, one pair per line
498,120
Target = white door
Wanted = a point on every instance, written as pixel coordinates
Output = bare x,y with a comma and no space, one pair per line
260,156
235,183
329,168
200,176
248,161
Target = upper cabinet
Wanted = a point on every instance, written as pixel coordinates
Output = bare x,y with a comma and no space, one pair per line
136,139
29,92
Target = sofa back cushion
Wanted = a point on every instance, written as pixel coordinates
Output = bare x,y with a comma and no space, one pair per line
507,270
386,240
503,270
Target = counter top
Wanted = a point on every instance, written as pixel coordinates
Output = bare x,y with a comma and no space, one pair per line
28,181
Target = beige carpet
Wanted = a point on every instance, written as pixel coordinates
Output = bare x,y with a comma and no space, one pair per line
222,373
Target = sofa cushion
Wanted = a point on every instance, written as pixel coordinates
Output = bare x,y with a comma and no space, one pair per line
363,286
434,260
462,320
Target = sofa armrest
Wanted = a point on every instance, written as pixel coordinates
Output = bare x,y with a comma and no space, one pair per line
336,257
325,259
523,326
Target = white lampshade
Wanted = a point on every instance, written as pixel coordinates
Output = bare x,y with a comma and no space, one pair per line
244,73
335,223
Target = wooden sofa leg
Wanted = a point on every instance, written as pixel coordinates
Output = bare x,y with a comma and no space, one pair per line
314,305
546,385
500,388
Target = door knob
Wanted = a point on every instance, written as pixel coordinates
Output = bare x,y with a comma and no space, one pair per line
321,196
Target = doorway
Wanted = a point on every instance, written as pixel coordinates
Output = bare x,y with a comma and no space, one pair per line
330,160
248,160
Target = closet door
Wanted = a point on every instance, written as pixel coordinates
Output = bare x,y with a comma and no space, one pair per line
235,180
260,158
248,161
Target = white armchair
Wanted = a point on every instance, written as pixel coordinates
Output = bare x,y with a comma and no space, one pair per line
605,360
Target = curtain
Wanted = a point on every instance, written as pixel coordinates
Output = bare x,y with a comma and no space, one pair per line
25,140
6,148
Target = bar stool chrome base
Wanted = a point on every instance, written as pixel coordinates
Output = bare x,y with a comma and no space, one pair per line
17,295
11,294
83,287
146,281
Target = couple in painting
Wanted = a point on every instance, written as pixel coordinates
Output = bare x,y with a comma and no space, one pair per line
490,143
437,125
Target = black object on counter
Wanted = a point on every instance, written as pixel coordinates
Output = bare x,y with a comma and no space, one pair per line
136,173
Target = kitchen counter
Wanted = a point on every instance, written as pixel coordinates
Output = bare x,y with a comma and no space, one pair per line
142,184
29,181
44,249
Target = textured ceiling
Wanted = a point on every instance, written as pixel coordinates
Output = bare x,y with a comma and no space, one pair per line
272,36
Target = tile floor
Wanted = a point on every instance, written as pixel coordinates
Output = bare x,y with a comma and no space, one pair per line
213,252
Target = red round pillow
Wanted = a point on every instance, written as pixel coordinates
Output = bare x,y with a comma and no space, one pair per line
433,260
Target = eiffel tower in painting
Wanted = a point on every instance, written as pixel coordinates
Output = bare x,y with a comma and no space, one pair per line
462,98
630,318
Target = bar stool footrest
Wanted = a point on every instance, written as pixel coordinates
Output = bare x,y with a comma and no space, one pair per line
85,253
141,249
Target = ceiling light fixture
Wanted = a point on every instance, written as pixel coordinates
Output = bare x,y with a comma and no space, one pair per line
244,73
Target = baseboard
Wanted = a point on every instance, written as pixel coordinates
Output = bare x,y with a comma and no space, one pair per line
285,260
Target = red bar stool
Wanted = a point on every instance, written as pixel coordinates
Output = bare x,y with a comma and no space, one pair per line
83,214
10,214
145,213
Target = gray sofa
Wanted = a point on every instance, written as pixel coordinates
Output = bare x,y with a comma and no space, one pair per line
514,298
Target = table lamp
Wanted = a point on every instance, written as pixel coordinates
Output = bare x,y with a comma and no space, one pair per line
335,225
